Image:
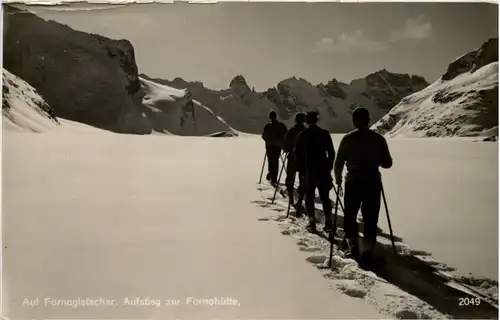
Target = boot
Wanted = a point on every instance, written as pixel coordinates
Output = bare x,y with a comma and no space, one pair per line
328,224
274,181
367,254
298,209
353,249
368,245
312,226
290,196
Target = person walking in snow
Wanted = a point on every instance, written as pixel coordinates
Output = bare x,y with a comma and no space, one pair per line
273,135
291,169
315,154
362,151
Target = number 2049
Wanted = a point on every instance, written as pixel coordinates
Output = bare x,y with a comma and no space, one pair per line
466,302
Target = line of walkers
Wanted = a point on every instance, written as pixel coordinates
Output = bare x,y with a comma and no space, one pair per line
311,154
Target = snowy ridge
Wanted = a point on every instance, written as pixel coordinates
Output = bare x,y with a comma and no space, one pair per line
166,110
466,105
24,110
412,285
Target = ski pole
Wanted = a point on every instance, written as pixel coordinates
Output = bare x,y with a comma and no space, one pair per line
288,210
278,182
340,201
333,231
281,156
388,218
262,170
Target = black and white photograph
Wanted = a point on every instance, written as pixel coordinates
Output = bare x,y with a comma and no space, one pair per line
249,160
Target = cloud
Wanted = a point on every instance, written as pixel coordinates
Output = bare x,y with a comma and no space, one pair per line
348,42
414,29
418,28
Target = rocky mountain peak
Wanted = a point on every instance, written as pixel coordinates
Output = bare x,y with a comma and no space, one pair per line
333,88
239,80
473,60
239,86
385,78
487,54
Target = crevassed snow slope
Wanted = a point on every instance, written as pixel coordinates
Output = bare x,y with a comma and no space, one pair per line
165,104
462,106
121,216
24,110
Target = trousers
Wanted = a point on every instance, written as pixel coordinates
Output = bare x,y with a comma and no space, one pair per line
291,173
324,184
273,162
364,195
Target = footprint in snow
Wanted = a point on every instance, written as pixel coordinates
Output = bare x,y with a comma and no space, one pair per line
407,314
316,259
310,249
352,292
303,242
306,247
290,231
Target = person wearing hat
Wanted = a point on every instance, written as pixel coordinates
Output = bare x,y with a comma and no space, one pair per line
291,169
314,154
273,135
362,151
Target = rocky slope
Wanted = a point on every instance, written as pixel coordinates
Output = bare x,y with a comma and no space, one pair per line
83,77
463,102
24,110
247,110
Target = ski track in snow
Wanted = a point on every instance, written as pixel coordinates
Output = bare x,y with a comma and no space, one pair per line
415,289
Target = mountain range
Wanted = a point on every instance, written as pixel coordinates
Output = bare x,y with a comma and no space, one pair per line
95,80
247,110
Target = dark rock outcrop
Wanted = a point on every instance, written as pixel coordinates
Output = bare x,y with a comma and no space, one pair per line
239,86
333,88
491,139
84,77
223,134
473,60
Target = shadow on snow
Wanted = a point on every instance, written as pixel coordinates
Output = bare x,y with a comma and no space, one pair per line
416,276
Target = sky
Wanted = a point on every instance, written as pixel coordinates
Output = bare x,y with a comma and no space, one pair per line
269,42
